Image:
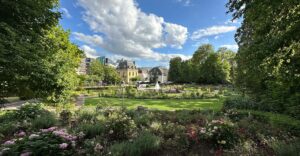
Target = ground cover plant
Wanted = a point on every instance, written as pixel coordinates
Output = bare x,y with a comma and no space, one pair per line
110,130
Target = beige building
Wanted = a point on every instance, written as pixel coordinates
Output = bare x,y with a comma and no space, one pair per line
127,70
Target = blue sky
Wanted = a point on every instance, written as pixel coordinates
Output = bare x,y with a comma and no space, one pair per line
147,31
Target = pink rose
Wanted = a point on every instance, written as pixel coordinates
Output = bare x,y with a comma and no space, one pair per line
63,146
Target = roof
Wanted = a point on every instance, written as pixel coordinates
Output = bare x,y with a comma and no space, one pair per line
125,64
162,70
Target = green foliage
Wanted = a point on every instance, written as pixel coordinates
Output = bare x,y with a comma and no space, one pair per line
37,58
44,121
91,130
206,67
118,126
65,117
21,43
268,57
111,75
38,144
220,134
291,148
239,102
145,144
29,111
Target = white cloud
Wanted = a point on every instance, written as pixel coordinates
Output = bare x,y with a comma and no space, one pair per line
66,12
214,30
91,40
176,35
233,47
121,28
185,2
89,52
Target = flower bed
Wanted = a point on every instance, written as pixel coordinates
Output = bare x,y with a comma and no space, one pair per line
118,131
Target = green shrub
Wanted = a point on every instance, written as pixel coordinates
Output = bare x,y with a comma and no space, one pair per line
118,126
29,111
220,134
8,128
239,102
91,130
65,117
287,149
42,143
44,121
145,144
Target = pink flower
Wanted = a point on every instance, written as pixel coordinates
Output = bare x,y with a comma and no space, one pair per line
26,154
63,146
9,142
21,134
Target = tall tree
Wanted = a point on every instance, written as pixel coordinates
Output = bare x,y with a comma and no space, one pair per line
111,75
269,52
36,57
97,69
175,69
202,53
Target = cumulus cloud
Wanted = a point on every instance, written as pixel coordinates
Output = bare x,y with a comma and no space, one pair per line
233,47
66,12
121,28
176,35
89,52
91,40
214,30
185,2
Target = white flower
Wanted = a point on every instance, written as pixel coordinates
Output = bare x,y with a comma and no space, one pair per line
223,142
32,136
215,127
111,132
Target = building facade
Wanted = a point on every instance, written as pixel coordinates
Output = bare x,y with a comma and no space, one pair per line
127,70
106,61
159,74
84,66
144,74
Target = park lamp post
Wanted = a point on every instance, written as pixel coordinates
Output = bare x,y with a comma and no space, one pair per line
122,87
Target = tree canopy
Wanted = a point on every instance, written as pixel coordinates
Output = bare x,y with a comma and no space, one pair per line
205,67
268,60
36,58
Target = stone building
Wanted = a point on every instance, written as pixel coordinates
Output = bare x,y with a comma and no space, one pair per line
84,66
127,70
144,74
159,74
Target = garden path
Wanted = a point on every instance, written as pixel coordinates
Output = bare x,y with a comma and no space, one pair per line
17,104
80,100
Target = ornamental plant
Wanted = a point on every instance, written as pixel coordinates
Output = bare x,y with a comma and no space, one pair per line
51,141
220,134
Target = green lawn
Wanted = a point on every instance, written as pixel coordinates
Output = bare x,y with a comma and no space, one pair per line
161,104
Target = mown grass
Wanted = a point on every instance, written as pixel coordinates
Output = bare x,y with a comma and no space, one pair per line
160,104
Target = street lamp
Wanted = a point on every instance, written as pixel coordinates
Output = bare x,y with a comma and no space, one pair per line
122,86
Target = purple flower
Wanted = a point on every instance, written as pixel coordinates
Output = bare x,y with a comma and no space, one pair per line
26,154
20,134
9,142
63,146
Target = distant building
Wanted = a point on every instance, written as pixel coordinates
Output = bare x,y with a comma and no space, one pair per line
84,67
144,74
106,61
127,70
159,74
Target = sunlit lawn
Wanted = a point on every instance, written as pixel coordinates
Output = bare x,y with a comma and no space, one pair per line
161,104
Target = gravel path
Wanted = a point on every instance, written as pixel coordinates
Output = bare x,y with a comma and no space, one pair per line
15,105
80,100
